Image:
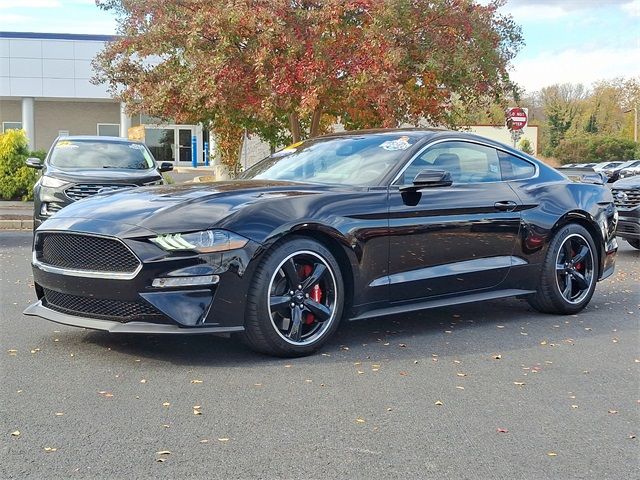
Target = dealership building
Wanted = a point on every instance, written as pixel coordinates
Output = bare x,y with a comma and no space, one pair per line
45,89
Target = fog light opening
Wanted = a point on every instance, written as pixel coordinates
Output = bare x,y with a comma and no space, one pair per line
167,282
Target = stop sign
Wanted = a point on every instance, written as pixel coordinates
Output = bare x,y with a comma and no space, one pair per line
516,118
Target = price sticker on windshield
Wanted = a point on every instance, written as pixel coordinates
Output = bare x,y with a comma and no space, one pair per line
401,143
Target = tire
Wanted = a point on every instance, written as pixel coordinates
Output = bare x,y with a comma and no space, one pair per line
569,273
296,299
634,242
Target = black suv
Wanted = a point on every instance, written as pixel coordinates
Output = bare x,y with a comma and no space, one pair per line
626,195
80,166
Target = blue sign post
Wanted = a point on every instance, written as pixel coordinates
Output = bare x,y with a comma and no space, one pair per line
194,151
206,154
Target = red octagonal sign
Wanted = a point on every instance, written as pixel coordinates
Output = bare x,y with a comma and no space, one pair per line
516,118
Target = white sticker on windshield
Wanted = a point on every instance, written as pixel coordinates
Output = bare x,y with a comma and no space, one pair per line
401,143
136,146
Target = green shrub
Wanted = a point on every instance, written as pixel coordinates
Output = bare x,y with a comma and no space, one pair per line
525,146
595,148
16,179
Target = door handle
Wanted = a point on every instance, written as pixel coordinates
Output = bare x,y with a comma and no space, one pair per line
506,206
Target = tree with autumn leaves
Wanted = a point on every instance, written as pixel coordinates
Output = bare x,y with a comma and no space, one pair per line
288,69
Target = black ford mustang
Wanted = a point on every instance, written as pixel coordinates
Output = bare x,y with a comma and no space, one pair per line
352,225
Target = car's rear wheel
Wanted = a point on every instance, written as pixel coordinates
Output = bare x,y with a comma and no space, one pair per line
634,242
569,273
296,299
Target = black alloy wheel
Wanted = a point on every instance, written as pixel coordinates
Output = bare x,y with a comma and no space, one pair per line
569,273
574,268
302,297
296,299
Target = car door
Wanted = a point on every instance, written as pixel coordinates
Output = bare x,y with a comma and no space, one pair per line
451,239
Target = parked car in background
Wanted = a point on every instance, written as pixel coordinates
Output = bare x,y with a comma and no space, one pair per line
626,195
631,170
78,167
607,168
354,225
615,175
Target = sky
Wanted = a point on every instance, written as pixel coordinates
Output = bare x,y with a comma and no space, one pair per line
577,41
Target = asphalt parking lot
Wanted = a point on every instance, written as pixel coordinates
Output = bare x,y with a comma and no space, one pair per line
483,391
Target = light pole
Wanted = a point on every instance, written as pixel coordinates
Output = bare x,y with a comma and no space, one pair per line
635,121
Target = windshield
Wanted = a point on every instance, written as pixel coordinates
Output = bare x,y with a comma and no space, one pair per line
350,160
100,154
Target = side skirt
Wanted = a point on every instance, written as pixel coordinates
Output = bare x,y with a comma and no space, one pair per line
441,302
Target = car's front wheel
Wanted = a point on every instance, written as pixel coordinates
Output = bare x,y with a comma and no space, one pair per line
569,272
296,299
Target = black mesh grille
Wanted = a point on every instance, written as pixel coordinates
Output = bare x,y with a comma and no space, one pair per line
626,198
83,190
99,307
85,252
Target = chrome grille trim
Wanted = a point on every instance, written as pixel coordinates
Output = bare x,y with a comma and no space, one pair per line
84,190
74,272
624,198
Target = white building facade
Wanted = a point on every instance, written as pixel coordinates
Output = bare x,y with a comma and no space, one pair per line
46,89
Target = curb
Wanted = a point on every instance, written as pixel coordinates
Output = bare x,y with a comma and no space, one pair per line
20,224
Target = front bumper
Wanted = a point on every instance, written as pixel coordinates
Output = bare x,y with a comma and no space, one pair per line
628,223
39,310
132,304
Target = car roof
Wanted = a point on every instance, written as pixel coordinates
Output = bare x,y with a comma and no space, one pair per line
99,138
426,133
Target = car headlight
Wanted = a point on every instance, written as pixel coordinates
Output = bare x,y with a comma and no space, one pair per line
207,241
52,182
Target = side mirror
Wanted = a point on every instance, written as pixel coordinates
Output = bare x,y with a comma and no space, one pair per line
427,179
34,162
166,167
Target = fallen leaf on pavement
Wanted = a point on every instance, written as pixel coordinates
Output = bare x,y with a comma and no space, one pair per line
552,454
16,433
613,412
497,357
163,452
50,449
224,439
518,383
438,402
359,420
502,430
166,404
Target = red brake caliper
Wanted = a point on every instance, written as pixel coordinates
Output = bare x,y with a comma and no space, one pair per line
315,295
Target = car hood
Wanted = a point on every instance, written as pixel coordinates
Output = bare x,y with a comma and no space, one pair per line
173,208
104,175
628,183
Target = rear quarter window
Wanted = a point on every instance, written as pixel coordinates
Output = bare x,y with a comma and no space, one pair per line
515,168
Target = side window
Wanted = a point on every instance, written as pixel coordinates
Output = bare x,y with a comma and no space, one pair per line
515,168
466,162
